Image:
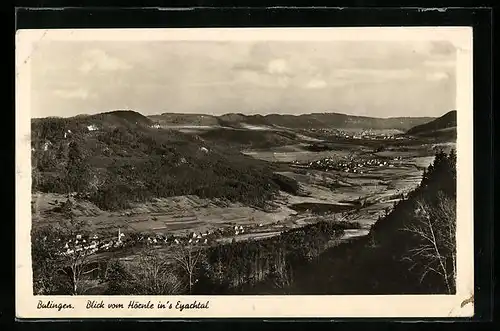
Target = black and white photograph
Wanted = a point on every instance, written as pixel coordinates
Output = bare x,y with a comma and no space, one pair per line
232,166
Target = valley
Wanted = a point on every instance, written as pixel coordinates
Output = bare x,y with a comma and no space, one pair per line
345,175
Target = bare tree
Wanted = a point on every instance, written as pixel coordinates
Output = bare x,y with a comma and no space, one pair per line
76,257
73,251
154,274
435,226
61,256
189,258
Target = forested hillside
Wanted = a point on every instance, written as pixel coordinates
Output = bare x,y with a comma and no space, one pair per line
411,250
444,125
117,159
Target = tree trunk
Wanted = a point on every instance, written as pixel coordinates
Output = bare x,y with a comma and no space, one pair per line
75,283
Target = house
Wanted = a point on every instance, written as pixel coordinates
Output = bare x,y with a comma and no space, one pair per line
46,146
120,235
92,127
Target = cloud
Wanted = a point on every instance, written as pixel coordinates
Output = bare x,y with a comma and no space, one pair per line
316,84
249,67
440,63
277,66
100,60
437,76
276,73
212,83
442,48
369,75
79,93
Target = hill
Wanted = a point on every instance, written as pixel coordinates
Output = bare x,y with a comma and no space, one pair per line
336,120
53,128
444,125
304,121
244,138
118,158
173,119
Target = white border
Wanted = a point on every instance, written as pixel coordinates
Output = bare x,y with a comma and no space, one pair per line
255,306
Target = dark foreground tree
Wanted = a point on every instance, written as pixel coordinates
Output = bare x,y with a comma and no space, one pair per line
77,169
47,263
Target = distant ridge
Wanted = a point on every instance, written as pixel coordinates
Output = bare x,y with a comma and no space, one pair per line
303,121
445,124
237,120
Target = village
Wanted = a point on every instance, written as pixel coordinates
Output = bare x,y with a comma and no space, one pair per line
348,164
355,134
94,244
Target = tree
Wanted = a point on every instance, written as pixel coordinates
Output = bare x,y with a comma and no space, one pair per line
435,227
117,278
77,169
60,259
77,257
153,274
46,262
189,258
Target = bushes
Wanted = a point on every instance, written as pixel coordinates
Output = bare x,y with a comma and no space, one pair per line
286,184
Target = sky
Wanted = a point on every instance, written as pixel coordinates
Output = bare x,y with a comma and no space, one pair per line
368,78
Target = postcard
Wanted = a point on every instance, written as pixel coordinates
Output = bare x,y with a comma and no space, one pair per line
244,172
